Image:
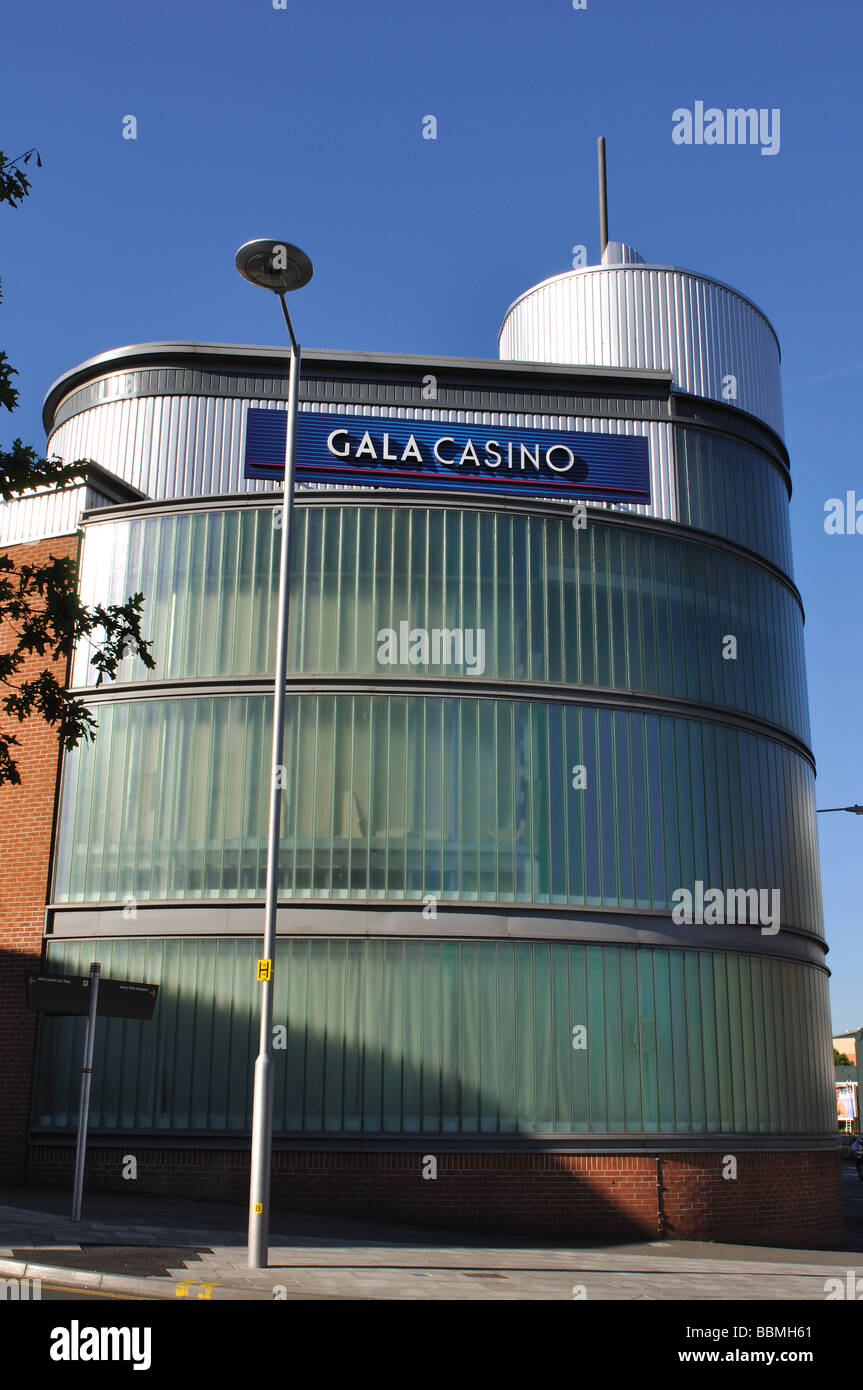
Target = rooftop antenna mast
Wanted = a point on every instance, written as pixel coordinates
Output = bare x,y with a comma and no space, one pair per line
603,197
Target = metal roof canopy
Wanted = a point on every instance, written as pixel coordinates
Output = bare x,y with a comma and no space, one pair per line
140,354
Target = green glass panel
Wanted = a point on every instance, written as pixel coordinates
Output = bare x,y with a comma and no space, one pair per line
296,1014
621,790
352,1071
525,1061
734,490
613,1041
630,1041
598,1077
710,1006
609,606
450,1050
435,1037
664,1042
507,1043
646,1022
723,1043
393,1029
489,985
394,797
469,1014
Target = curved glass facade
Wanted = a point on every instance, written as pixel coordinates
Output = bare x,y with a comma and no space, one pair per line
733,490
614,607
458,1037
545,730
391,797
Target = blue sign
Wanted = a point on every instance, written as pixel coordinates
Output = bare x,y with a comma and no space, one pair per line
383,452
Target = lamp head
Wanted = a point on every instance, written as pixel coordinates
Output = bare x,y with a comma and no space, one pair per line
274,265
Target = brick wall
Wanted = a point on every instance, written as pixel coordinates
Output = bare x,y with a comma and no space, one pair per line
794,1197
778,1198
26,817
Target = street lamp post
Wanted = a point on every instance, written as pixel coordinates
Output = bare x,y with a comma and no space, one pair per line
276,266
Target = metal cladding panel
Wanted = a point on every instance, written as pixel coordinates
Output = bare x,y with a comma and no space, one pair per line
167,446
43,514
193,446
653,317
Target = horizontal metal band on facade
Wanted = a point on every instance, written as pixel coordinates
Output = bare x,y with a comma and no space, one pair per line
499,503
155,366
606,926
444,1142
467,688
621,405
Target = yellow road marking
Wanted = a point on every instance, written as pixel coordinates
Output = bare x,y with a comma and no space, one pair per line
101,1293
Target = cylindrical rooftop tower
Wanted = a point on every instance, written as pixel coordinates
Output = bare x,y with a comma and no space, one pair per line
623,313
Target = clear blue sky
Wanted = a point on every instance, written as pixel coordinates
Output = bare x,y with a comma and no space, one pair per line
305,123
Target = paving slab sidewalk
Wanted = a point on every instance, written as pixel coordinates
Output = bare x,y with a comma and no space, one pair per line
122,1248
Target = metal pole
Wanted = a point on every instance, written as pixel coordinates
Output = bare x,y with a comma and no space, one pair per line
84,1103
603,197
262,1106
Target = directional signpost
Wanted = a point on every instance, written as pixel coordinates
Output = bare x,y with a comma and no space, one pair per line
70,994
94,997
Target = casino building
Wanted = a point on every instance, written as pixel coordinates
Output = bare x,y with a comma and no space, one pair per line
479,959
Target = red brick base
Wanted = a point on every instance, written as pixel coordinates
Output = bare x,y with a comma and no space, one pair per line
26,820
788,1198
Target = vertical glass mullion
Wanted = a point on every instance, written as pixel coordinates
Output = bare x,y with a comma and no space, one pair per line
665,1060
225,708
647,1037
600,580
580,553
717,805
91,887
639,800
359,515
111,885
176,795
656,821
702,798
663,601
241,645
635,618
247,878
612,1041
592,807
620,807
133,809
672,799
225,604
432,1043
211,525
